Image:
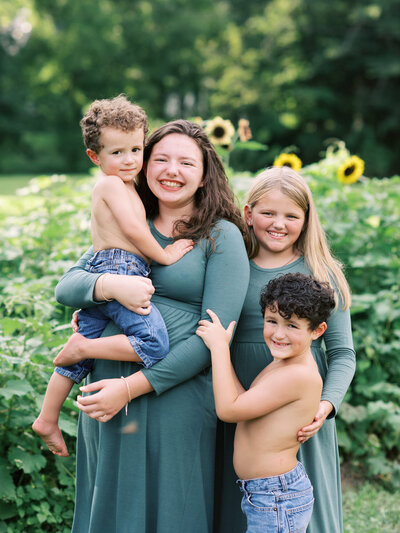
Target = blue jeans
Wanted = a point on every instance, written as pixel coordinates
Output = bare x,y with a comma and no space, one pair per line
147,334
278,504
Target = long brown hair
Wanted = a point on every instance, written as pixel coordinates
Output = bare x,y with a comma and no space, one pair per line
213,201
312,240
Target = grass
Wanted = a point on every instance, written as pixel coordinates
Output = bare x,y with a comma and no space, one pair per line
367,506
370,509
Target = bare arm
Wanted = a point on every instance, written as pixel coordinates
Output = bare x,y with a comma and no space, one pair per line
232,405
134,226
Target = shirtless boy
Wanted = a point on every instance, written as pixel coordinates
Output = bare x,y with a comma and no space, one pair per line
284,397
114,133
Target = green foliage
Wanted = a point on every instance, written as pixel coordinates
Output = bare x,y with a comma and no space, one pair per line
47,228
362,226
43,236
300,71
304,72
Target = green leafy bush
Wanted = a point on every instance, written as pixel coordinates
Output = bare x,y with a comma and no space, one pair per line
362,223
48,228
42,237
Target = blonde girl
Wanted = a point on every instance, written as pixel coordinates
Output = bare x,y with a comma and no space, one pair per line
285,235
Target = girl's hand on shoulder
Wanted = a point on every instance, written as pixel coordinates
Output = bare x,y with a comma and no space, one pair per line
107,402
133,292
213,333
307,432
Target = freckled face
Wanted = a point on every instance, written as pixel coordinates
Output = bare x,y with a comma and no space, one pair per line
277,222
175,171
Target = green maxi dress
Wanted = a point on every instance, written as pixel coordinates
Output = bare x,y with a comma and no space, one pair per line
319,454
160,477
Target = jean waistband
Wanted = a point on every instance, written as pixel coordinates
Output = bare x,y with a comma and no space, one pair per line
116,254
274,482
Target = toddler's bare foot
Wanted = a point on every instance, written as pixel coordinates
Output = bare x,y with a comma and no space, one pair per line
51,435
71,353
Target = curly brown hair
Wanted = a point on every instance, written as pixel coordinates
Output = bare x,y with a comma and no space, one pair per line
300,295
214,201
116,112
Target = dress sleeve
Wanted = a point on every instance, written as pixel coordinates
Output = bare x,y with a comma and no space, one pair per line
225,287
341,358
76,287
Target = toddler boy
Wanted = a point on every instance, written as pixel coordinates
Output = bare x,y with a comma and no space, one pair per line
114,131
285,396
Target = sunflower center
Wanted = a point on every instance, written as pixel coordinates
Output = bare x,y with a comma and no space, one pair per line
349,170
219,132
287,164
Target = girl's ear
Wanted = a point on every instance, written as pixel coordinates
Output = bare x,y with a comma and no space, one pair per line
93,157
319,330
248,215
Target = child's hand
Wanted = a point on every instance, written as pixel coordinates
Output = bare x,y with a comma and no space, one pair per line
177,250
213,333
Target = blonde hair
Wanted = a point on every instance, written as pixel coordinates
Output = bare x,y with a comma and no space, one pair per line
312,242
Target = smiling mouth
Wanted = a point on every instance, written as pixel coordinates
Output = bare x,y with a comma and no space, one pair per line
171,184
280,344
276,234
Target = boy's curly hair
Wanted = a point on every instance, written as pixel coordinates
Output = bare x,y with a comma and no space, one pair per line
300,295
116,112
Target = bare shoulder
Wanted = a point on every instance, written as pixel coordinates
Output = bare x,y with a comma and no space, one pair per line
298,375
305,377
108,184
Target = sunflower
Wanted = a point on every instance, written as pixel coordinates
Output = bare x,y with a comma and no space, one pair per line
220,131
288,160
244,130
351,170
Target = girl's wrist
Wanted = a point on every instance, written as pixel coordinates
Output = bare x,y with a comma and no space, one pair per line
138,384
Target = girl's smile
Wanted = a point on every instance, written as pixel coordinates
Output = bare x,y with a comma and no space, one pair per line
175,171
277,222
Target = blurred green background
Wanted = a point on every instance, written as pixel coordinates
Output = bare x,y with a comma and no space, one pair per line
302,71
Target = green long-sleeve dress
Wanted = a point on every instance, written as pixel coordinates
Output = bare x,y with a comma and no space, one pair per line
160,478
319,454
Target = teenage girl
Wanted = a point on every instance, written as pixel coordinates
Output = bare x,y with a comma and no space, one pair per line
285,235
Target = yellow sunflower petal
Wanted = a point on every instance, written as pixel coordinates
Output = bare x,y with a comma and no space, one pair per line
288,160
220,131
351,170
